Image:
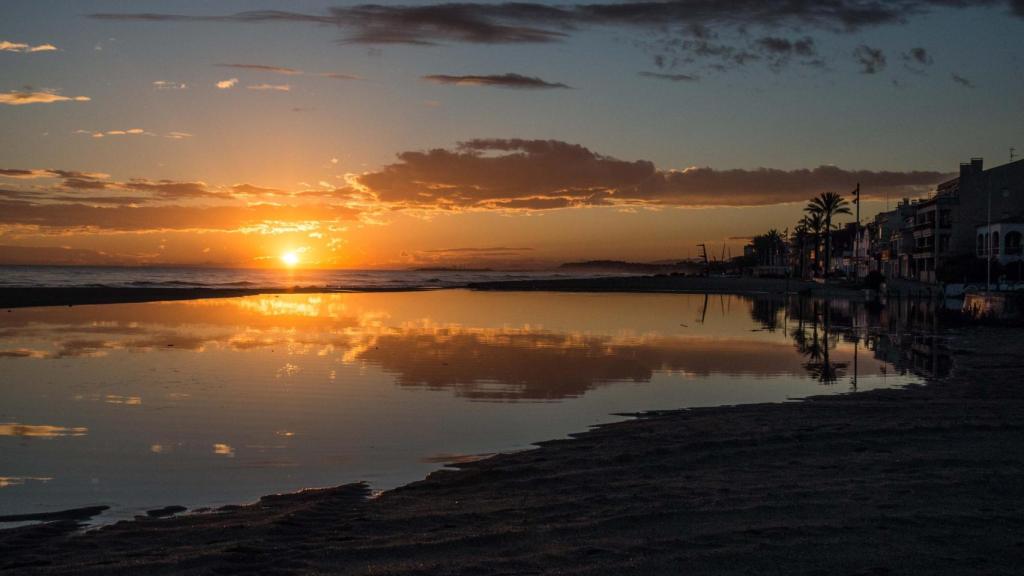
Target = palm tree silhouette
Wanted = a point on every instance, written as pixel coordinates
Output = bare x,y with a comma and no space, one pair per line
813,224
828,205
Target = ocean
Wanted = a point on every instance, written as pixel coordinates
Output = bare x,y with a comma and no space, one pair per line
184,277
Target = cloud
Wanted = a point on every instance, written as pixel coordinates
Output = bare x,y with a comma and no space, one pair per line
20,98
548,174
6,46
271,87
250,190
289,71
500,80
171,217
532,22
670,77
168,85
127,132
33,173
264,68
871,60
918,56
226,84
339,76
717,36
177,135
962,81
502,249
172,189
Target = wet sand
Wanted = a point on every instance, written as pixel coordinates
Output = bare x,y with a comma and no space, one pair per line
926,480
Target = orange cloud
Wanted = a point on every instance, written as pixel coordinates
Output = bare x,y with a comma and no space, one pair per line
20,98
549,174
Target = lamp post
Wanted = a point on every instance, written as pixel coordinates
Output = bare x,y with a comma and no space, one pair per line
988,240
988,245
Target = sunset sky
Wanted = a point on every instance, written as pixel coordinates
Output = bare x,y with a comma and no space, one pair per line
479,134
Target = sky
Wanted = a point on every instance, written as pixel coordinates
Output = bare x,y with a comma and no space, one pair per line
479,134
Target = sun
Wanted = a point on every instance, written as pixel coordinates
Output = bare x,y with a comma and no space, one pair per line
290,258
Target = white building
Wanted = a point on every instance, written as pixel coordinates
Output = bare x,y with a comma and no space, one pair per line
1004,238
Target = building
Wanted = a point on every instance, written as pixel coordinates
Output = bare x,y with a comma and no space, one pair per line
1002,243
938,241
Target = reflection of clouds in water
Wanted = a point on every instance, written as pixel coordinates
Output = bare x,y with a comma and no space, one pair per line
23,353
224,450
8,481
39,430
288,370
126,400
507,363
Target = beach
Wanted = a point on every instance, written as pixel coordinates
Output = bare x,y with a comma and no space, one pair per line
923,480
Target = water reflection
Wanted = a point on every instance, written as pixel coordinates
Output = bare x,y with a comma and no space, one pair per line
219,401
39,430
524,362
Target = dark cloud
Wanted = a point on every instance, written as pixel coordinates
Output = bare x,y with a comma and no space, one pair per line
264,68
171,189
530,174
871,60
516,22
918,56
499,80
717,35
962,81
476,250
33,173
670,77
85,184
338,76
547,174
250,190
710,187
143,218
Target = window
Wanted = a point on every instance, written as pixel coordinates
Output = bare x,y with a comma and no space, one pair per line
981,244
944,243
995,243
1013,243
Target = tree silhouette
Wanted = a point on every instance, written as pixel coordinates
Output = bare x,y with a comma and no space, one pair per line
828,205
813,223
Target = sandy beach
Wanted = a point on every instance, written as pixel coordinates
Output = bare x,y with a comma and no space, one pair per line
924,480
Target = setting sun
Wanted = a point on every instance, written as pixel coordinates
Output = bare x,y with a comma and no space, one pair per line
290,258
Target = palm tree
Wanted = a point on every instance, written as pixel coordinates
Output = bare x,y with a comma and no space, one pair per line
814,224
828,205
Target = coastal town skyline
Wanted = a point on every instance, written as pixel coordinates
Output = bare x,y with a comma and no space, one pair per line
252,134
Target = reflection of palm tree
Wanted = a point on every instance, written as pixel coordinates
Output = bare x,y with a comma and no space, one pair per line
765,311
819,363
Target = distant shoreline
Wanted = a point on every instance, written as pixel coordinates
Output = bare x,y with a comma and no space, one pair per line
24,297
